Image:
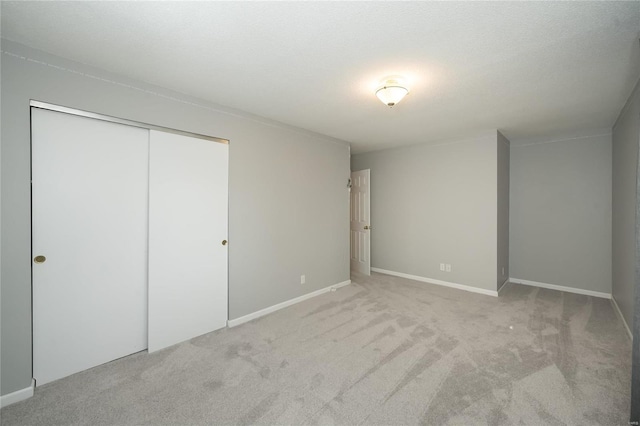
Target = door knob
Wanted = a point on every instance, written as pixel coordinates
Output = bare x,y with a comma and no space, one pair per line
224,242
39,259
367,227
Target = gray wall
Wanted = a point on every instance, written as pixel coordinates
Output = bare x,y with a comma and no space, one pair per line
626,137
288,200
503,209
560,230
635,366
432,205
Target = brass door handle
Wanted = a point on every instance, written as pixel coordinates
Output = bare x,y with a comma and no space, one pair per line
39,259
224,242
367,227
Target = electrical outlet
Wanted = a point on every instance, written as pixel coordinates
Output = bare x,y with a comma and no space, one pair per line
448,267
442,266
303,279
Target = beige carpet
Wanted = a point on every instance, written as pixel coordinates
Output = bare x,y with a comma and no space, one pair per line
383,350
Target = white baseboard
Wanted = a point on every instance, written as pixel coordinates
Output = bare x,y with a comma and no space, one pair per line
237,321
561,288
17,396
617,309
438,282
502,286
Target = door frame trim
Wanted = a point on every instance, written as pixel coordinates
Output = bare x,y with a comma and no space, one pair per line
88,114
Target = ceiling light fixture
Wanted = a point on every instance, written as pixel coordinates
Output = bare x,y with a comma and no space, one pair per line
392,91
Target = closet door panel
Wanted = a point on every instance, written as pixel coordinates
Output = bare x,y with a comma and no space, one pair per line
188,203
89,221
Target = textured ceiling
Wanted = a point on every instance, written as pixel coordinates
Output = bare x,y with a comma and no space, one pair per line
530,69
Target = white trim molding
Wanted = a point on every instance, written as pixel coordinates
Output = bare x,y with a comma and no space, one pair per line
502,286
561,288
17,396
486,292
237,321
619,312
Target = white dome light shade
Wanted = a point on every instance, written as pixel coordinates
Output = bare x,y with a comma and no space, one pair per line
391,92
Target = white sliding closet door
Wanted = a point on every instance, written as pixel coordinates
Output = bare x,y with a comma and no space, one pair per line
188,199
89,218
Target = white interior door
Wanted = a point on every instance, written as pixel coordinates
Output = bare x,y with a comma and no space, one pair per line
188,203
360,222
89,220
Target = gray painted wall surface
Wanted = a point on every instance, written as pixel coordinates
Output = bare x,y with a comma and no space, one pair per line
503,209
635,367
626,136
288,202
432,205
560,230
